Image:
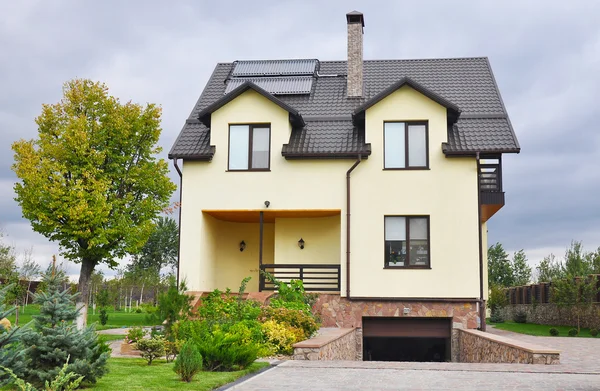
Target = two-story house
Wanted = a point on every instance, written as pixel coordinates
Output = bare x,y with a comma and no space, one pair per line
370,180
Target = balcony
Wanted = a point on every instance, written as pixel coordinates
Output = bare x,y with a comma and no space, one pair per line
315,277
490,186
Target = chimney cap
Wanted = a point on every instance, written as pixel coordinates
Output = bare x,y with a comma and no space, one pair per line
355,17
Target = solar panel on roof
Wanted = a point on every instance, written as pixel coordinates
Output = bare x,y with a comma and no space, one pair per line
274,68
275,85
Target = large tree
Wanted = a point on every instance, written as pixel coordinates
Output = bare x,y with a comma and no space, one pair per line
521,270
91,180
161,248
499,266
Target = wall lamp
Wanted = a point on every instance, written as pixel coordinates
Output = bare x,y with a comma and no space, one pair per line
301,244
242,245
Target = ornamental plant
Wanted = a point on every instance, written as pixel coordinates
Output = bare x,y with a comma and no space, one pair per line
54,338
189,362
135,334
151,348
279,337
554,331
11,351
593,332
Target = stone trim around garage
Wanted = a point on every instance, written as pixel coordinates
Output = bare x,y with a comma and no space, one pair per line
480,347
330,344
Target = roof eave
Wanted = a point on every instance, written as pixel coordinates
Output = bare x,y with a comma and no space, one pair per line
202,157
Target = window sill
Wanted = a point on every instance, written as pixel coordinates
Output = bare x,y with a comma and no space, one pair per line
253,170
407,169
408,267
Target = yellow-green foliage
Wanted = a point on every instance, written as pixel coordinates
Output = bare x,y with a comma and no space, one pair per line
91,181
5,324
280,337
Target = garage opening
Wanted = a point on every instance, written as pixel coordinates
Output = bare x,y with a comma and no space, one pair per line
406,339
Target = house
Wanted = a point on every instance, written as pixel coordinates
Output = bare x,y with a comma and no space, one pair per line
370,180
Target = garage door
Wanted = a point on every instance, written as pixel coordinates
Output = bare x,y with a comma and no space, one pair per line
407,327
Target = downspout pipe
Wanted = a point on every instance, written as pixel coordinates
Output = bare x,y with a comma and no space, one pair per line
356,163
481,296
179,224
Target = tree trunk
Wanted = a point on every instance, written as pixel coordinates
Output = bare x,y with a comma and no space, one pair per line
142,294
87,268
130,298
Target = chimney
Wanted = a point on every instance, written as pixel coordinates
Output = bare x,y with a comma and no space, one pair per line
356,22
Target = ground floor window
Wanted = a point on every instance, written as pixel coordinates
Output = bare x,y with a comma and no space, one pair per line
407,242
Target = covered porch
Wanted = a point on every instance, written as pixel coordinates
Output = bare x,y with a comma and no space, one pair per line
288,244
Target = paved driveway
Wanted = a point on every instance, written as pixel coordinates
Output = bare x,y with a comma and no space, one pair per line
579,370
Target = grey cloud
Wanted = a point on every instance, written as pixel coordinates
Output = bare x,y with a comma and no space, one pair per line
545,55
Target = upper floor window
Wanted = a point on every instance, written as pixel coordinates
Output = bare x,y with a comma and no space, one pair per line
249,147
406,145
406,241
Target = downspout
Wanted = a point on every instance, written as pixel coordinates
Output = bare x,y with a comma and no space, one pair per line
356,163
179,224
481,301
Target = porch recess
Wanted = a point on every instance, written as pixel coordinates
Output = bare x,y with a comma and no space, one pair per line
272,245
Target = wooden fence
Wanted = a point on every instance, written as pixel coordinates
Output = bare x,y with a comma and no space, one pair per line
538,293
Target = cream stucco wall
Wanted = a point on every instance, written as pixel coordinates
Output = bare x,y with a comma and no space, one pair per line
321,237
447,192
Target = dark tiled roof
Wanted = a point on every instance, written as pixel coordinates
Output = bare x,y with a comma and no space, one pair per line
465,82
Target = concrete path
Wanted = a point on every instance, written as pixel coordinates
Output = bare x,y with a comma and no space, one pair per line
580,370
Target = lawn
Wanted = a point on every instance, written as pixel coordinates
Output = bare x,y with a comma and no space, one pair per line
136,374
111,337
115,319
538,329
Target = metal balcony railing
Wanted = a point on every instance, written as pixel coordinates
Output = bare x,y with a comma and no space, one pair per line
315,277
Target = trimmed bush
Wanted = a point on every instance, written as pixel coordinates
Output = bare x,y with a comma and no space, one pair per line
520,317
593,332
189,362
292,318
573,332
151,348
227,351
553,332
279,337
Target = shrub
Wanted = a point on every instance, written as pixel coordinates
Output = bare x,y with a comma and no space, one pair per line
135,334
151,348
138,310
520,317
497,298
279,337
172,348
593,332
64,381
220,307
496,317
173,305
553,332
293,318
188,362
103,316
573,332
227,351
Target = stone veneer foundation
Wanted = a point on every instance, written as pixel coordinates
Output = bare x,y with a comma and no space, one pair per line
330,344
478,347
336,311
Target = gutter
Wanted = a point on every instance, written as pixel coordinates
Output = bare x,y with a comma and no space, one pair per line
179,224
356,163
481,301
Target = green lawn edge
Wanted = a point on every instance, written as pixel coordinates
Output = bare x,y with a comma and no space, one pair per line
539,330
135,374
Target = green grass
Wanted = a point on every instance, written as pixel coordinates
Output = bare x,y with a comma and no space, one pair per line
115,319
110,337
539,329
136,374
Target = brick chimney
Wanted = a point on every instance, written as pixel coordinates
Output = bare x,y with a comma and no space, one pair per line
356,22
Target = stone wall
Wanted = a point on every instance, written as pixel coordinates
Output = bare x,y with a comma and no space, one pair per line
331,344
551,314
336,311
479,347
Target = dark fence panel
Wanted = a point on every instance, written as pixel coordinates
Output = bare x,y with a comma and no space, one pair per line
540,293
316,278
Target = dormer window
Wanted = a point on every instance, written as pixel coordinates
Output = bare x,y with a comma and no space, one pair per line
249,147
405,146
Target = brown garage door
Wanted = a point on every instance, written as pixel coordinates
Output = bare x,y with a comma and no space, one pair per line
406,327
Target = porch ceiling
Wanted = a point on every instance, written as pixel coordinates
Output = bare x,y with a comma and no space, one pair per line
269,216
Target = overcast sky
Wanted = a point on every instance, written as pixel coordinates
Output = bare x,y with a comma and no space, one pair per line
545,56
